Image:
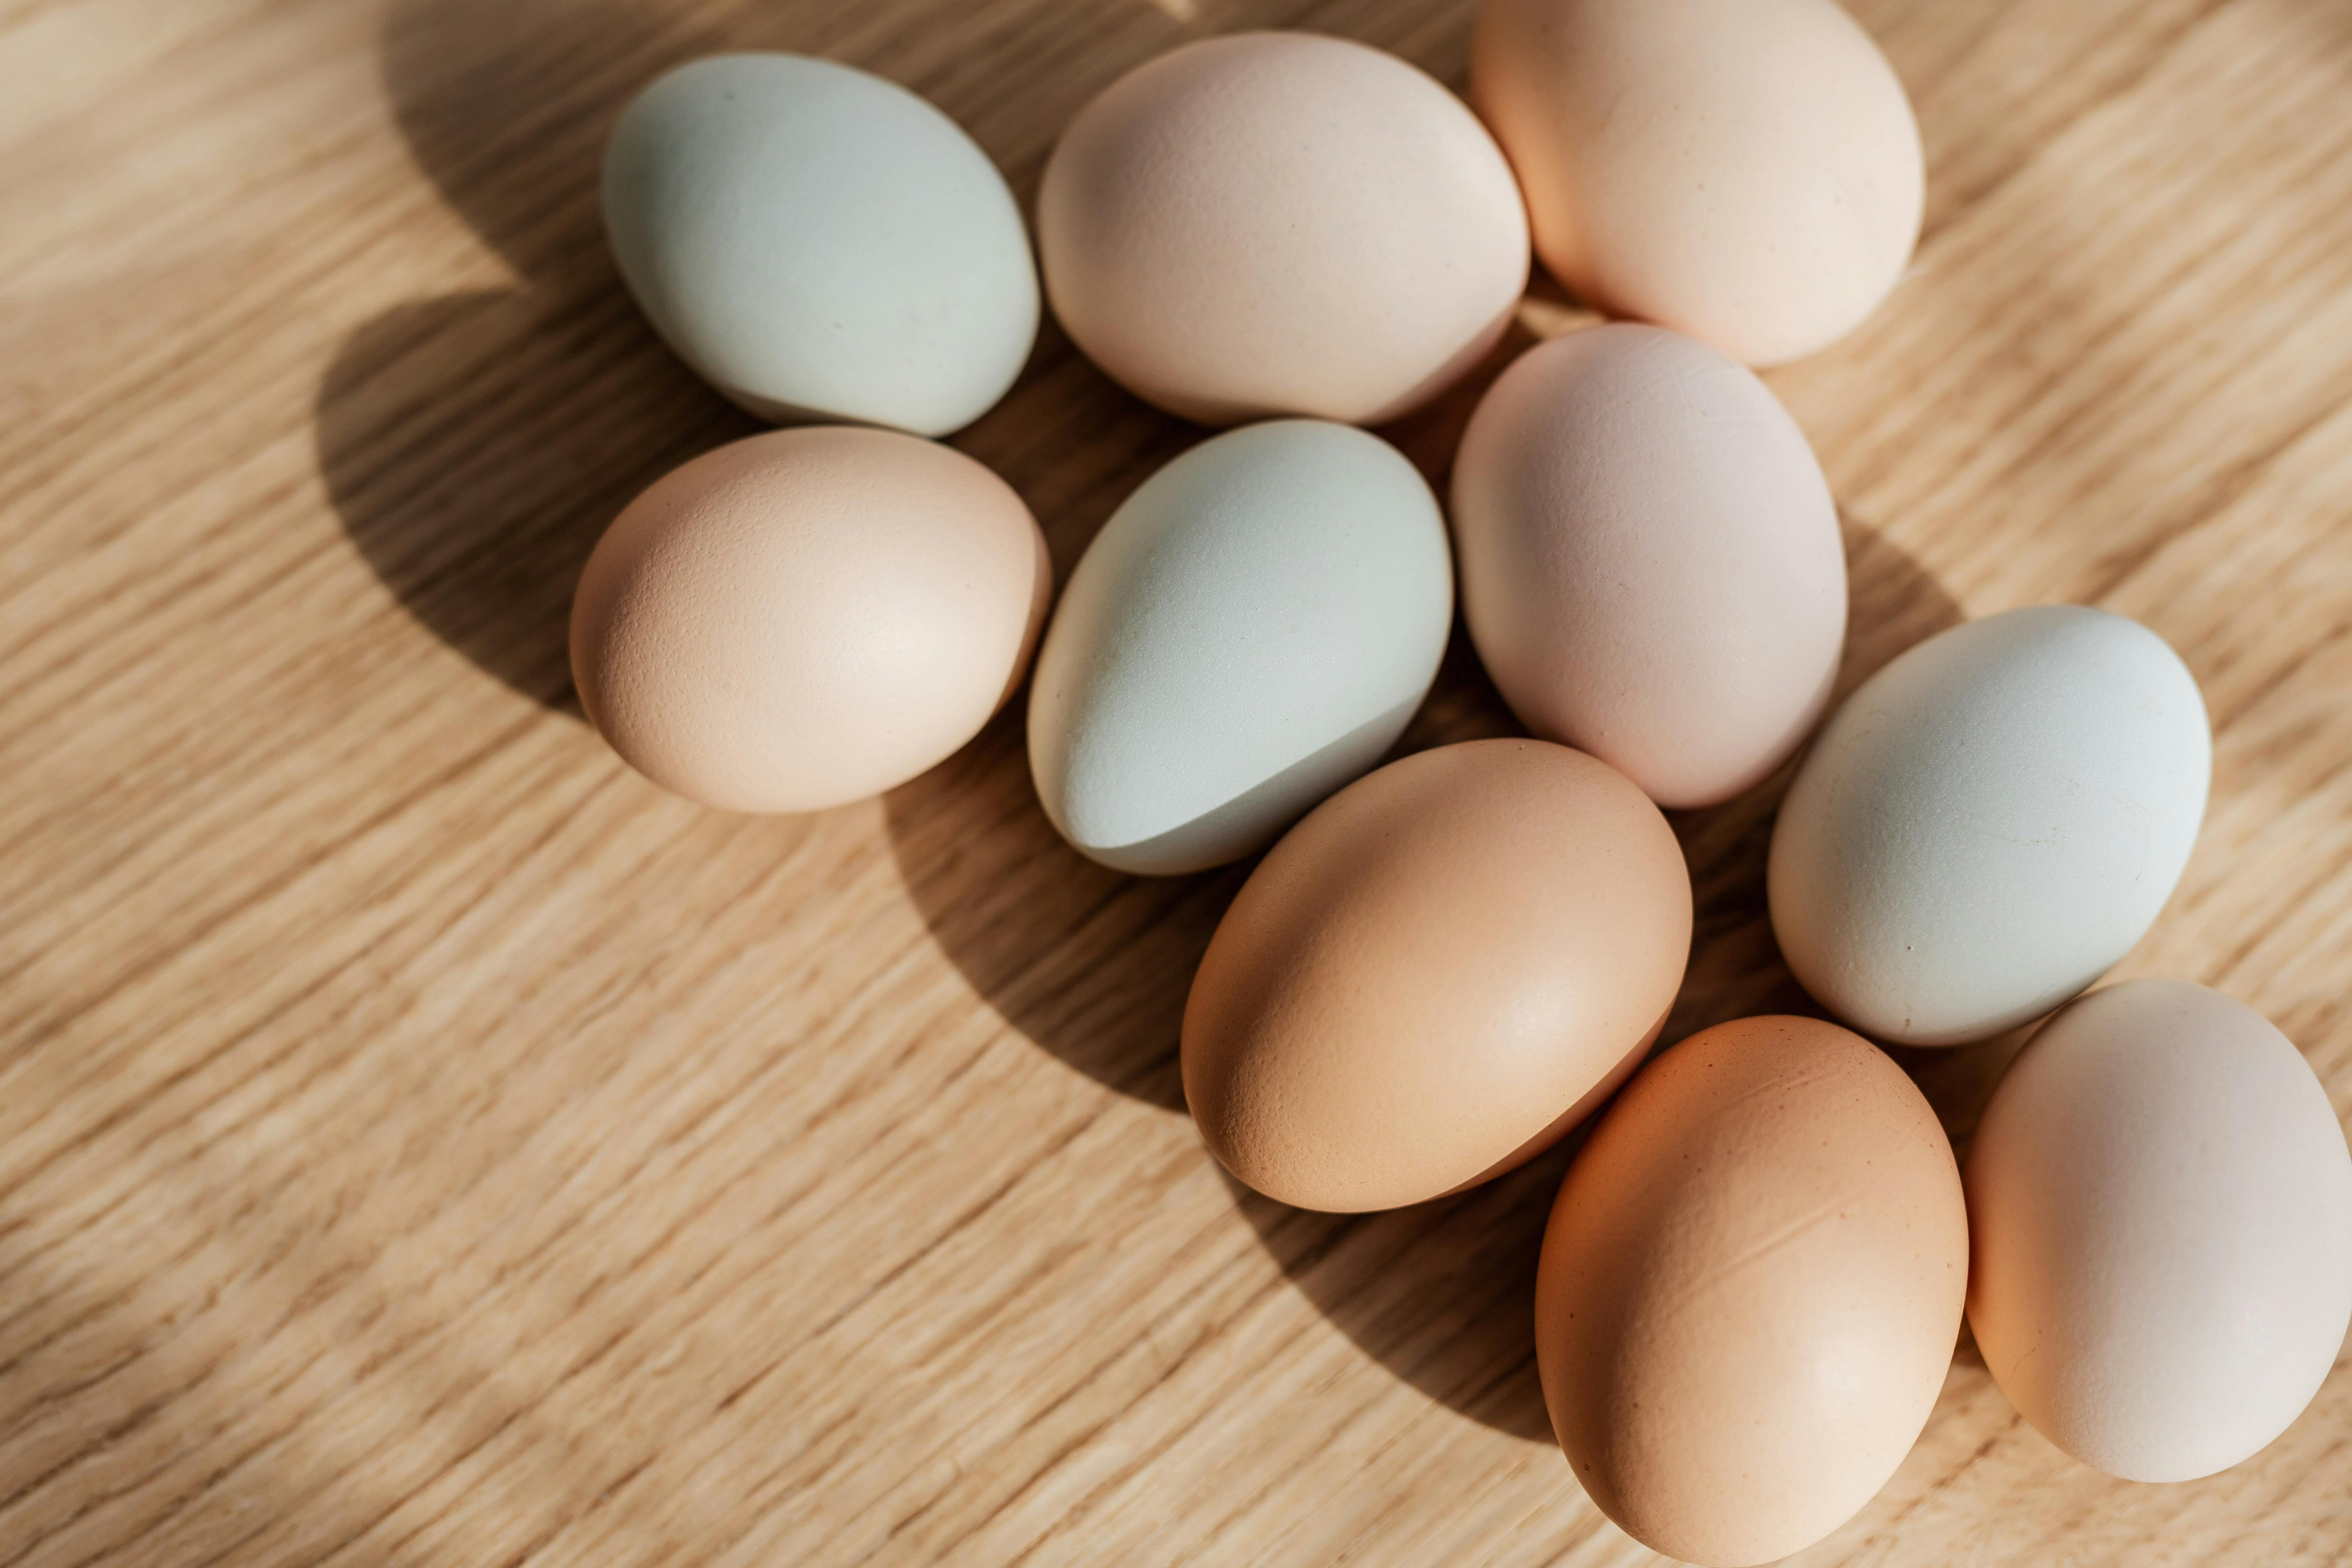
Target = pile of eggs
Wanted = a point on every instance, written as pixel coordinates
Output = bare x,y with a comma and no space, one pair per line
1757,1265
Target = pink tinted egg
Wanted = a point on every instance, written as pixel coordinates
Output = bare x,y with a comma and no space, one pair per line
1651,564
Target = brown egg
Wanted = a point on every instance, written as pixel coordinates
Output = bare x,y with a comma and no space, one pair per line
1751,1289
1434,975
807,617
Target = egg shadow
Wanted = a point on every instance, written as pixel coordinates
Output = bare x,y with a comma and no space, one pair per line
1090,963
1094,966
474,457
1440,1293
474,445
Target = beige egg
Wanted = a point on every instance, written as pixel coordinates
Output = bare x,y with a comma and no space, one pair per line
1435,975
1751,1289
807,617
2161,1203
1745,171
1278,223
1651,561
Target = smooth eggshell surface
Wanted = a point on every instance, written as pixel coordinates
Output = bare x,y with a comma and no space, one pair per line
1276,223
1751,1289
820,244
2161,1205
1252,628
807,617
1435,975
1651,561
1989,822
1745,171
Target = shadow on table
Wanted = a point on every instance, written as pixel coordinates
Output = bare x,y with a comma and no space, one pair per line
1094,967
1441,1293
476,445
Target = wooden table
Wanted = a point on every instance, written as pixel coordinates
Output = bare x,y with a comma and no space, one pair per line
424,1142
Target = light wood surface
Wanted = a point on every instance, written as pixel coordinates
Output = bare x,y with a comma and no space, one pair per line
424,1142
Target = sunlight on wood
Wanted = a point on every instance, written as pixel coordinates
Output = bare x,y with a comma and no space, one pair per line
426,1143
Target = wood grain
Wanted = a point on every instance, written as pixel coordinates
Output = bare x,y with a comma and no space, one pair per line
423,1143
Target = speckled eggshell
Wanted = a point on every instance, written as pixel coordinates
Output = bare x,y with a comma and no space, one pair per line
1745,171
1250,629
1751,1291
2161,1205
1989,822
1435,975
1278,223
1651,561
807,617
820,244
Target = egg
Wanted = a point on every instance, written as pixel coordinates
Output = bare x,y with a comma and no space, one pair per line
1750,1289
1747,172
1252,628
2161,1203
1278,223
1651,562
807,617
1435,975
1989,822
821,245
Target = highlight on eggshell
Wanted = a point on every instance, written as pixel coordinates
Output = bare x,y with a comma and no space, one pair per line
807,617
1652,567
1747,172
1275,224
1435,975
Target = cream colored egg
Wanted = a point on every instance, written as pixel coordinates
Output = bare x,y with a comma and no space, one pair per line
807,617
2161,1202
1278,223
1745,171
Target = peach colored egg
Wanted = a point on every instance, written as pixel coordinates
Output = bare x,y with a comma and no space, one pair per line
1434,975
1651,561
1751,1289
1745,171
807,617
1278,223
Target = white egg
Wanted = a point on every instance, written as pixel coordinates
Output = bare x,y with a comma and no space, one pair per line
1989,822
2160,1202
820,244
1251,630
